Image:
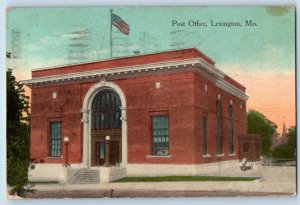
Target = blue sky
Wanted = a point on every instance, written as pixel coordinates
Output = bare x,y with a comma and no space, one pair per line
45,36
260,57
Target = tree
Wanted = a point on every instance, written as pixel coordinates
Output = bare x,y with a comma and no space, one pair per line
17,134
292,142
259,124
288,149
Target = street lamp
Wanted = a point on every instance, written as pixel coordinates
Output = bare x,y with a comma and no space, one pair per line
107,138
66,141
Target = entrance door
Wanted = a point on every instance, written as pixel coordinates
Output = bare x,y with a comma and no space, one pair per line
100,153
105,121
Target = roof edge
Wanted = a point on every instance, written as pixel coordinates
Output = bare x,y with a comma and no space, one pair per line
122,57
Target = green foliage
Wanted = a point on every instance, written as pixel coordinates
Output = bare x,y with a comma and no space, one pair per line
259,124
17,134
288,149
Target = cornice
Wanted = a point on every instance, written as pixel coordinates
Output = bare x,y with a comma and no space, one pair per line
111,71
122,72
231,89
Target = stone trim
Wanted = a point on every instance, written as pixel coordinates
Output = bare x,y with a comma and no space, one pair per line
197,64
110,71
206,155
159,156
231,89
86,119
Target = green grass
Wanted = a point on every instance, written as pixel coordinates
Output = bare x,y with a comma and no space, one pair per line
184,178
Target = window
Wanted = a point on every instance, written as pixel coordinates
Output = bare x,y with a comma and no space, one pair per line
204,123
231,148
160,135
106,111
219,127
55,139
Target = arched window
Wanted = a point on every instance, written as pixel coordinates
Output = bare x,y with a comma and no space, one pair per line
106,111
219,127
230,118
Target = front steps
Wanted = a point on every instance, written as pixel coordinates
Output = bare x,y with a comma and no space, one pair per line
83,176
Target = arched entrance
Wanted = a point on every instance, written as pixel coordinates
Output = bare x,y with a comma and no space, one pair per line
104,113
105,121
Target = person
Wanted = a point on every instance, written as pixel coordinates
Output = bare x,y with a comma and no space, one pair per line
243,164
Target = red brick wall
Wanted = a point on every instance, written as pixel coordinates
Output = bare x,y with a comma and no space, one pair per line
174,97
66,108
181,96
206,102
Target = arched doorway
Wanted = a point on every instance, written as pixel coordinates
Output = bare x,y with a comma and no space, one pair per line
105,121
87,122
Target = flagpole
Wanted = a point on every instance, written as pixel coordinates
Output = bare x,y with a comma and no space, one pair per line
111,10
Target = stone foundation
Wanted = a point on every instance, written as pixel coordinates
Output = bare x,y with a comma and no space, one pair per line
56,172
224,168
109,174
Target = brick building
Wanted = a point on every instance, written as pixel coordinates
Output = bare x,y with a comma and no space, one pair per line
167,113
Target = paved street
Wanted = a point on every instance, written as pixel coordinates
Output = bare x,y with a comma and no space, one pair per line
122,193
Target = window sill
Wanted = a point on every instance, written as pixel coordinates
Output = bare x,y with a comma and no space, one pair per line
54,157
206,156
220,155
232,155
158,156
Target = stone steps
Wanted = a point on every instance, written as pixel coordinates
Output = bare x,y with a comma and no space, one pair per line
83,176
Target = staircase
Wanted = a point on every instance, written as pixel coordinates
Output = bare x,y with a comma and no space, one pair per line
83,176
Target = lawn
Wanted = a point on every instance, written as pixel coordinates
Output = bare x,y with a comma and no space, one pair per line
184,178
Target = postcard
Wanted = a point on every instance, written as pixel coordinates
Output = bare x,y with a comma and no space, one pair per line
151,102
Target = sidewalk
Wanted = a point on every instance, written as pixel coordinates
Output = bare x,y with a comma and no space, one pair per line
274,181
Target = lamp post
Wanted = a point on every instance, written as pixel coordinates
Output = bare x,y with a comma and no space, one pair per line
106,163
66,141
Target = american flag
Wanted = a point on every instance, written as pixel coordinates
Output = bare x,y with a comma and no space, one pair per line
120,24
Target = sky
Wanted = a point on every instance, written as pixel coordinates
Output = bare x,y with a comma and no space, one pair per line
261,57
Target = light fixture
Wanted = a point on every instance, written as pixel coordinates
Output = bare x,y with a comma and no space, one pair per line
66,139
107,137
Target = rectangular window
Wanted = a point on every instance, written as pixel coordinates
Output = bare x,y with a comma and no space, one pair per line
55,139
219,128
231,148
160,135
204,134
